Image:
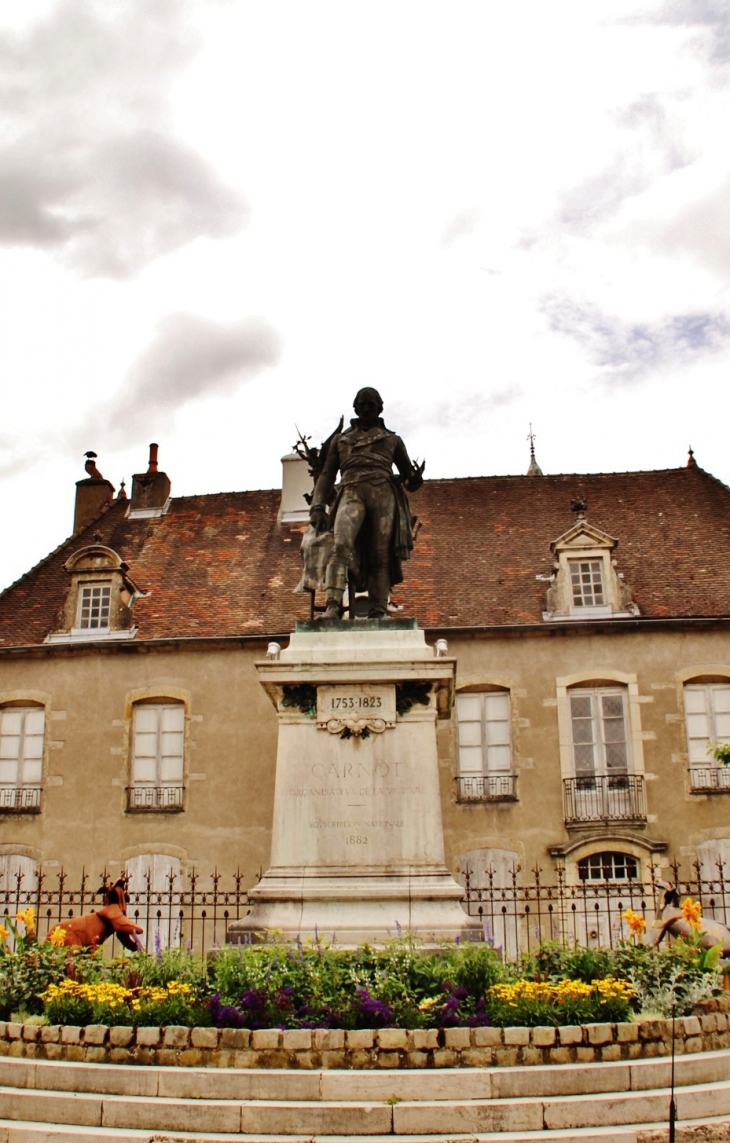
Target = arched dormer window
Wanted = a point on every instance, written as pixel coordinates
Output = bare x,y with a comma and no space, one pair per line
100,599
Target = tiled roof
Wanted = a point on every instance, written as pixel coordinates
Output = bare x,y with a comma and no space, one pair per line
220,565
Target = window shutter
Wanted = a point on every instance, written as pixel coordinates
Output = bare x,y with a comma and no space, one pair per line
172,725
471,749
497,720
584,757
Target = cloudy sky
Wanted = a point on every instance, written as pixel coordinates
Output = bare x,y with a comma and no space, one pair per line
219,218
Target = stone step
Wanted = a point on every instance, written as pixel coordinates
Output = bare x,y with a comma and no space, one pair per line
363,1086
446,1117
16,1131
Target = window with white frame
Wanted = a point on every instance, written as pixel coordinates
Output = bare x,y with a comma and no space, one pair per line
608,866
586,581
707,718
483,723
158,736
94,606
155,887
599,729
21,756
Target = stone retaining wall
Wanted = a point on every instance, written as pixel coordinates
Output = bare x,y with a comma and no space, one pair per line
383,1048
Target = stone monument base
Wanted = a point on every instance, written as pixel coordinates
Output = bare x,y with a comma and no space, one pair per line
357,849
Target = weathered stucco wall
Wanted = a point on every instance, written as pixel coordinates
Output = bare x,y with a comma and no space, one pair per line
231,749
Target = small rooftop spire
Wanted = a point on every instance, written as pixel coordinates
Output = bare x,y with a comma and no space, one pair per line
691,462
534,469
122,493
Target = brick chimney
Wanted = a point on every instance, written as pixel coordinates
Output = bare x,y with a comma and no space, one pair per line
150,489
93,494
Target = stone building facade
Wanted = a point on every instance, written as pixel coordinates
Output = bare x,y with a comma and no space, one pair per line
588,614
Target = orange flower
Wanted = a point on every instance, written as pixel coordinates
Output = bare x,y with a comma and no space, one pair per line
692,912
635,921
57,937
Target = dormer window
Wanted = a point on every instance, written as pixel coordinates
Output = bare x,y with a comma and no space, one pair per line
100,598
585,583
586,577
95,602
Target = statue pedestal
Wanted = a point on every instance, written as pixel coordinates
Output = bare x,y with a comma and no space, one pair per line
357,845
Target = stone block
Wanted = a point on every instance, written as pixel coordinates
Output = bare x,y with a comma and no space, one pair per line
722,1022
560,1056
243,1059
457,1038
95,1054
336,1060
417,1060
693,1044
692,1026
585,1055
611,1052
191,1057
627,1033
70,1034
532,1056
709,1022
204,1037
74,1052
31,1033
235,1039
14,1031
50,1033
149,1037
307,1060
506,1057
17,1048
145,1056
95,1034
570,1034
424,1038
357,1041
3,1026
31,1051
636,1051
600,1033
53,1051
390,1039
166,1057
515,1036
477,1057
488,1037
445,1058
121,1037
328,1039
118,1055
265,1039
361,1059
176,1036
297,1040
651,1030
388,1060
543,1037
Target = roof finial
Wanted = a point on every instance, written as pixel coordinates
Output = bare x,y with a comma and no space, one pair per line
534,469
691,462
580,507
122,493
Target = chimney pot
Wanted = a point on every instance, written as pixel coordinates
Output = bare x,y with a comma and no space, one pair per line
153,458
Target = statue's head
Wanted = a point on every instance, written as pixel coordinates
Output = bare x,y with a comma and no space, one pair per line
368,402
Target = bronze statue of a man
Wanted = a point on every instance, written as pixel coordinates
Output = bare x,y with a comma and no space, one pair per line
373,529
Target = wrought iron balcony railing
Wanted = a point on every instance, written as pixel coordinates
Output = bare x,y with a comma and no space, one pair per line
155,799
20,799
604,798
486,788
709,779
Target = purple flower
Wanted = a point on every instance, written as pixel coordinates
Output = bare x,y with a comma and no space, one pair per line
377,1011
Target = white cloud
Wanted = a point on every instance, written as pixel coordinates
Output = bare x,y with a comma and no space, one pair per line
90,167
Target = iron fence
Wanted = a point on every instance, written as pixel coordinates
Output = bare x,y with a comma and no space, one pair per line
517,912
190,912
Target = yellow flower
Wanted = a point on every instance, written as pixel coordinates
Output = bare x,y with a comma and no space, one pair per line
692,912
27,917
4,933
635,921
427,1004
57,937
